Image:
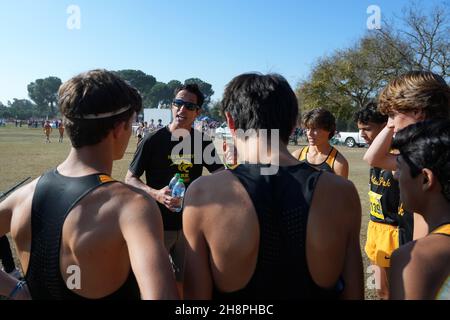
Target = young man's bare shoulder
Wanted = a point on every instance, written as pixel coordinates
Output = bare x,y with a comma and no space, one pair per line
330,182
213,186
431,252
22,194
421,265
123,197
343,199
296,153
341,159
422,258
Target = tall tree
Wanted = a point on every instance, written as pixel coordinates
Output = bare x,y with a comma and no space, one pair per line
21,109
172,85
422,38
5,112
138,79
160,94
44,92
205,88
215,112
141,81
349,78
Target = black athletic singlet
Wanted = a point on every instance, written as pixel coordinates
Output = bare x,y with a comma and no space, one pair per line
54,197
327,165
385,206
282,204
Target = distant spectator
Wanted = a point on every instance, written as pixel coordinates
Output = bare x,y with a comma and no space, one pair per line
159,125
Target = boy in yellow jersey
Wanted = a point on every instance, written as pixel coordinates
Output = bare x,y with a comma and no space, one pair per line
408,99
320,127
383,229
421,268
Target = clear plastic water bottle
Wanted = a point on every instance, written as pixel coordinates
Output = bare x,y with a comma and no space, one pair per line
178,192
174,181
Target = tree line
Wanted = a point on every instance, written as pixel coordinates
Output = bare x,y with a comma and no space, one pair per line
341,82
43,94
348,78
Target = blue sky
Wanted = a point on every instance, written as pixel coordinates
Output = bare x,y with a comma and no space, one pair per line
214,40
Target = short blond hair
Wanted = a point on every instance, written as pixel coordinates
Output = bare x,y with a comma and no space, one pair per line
417,91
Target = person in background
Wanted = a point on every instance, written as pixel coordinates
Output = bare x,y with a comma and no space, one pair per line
421,268
77,222
320,127
156,158
412,97
262,229
385,231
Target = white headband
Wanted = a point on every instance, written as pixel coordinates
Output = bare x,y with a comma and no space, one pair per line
101,115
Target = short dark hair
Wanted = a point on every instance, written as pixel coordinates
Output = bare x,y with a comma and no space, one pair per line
257,101
426,144
370,113
92,93
320,118
194,89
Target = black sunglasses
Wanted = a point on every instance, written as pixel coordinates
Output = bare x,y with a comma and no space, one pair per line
188,105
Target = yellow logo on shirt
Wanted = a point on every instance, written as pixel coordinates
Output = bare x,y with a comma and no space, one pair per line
380,182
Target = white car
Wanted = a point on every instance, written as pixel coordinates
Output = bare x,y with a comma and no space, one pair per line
223,131
350,139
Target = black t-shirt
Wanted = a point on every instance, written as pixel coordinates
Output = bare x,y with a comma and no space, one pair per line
161,158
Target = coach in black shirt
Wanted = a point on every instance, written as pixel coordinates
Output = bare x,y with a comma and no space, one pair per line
176,148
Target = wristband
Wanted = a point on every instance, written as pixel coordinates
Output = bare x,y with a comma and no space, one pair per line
17,288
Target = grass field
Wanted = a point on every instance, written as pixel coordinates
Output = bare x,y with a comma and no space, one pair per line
24,153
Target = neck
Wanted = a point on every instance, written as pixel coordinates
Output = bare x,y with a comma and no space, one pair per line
87,160
322,149
175,126
436,212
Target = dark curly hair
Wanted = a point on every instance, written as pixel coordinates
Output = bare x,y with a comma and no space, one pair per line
370,113
427,145
194,89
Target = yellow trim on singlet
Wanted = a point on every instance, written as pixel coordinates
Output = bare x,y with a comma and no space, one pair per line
444,229
104,178
231,167
330,160
444,291
303,153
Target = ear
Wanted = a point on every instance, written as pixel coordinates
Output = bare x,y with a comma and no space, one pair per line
117,129
120,127
230,121
419,115
429,179
198,112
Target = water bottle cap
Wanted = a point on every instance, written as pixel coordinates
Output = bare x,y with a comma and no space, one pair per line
180,180
177,175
